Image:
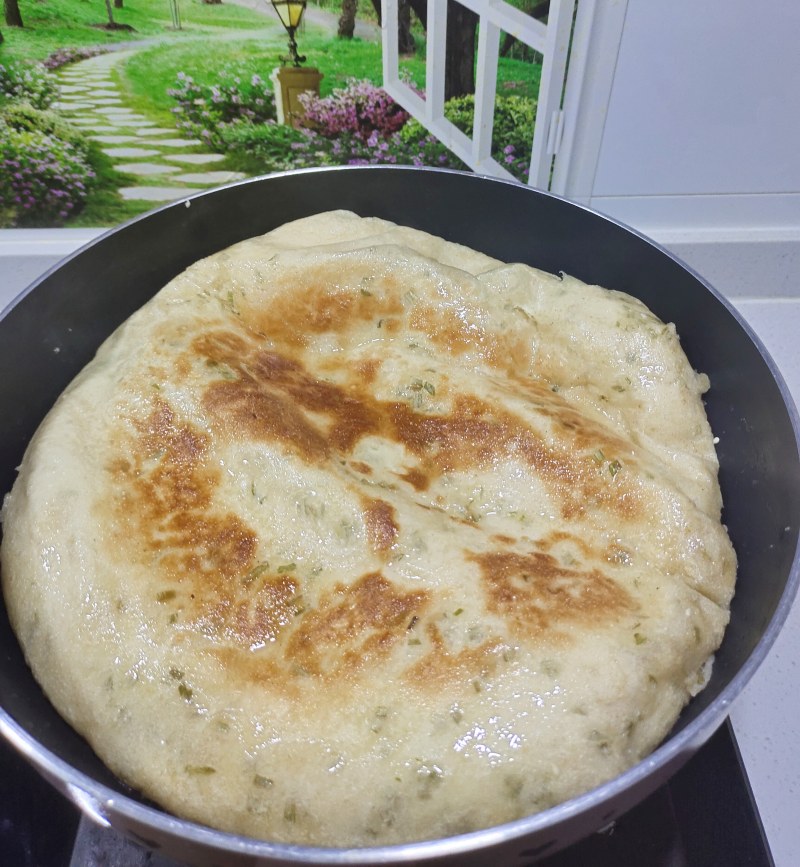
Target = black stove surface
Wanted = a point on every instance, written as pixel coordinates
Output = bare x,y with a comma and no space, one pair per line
704,816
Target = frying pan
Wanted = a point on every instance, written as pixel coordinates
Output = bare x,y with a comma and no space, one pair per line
54,328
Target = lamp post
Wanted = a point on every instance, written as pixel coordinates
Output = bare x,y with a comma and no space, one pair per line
292,81
291,12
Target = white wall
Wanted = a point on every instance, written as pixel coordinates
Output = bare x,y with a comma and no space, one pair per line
700,142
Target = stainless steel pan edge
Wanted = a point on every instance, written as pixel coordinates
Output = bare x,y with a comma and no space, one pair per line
464,208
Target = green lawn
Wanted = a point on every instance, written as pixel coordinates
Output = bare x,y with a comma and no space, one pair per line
50,25
150,73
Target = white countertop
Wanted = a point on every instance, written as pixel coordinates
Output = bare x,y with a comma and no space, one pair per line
766,717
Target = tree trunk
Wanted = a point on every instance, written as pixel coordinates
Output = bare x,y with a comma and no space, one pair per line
459,65
420,8
12,13
405,41
539,11
110,12
118,4
347,20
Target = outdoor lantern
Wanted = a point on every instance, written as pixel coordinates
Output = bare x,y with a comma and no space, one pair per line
291,12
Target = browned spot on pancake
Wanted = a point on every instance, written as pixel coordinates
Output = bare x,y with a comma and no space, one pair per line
537,596
417,478
381,525
273,398
441,666
562,538
327,298
368,369
254,618
361,467
391,325
164,505
353,627
457,332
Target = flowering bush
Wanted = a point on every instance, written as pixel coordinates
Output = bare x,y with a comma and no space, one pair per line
419,148
269,145
43,180
360,109
27,82
315,149
22,116
69,55
514,117
203,109
359,124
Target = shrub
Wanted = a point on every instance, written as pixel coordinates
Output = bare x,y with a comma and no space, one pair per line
70,55
23,116
359,109
361,124
316,149
348,149
43,180
514,118
269,145
419,148
27,82
203,109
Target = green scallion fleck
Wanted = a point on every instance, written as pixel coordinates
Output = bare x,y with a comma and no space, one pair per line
262,782
287,567
255,572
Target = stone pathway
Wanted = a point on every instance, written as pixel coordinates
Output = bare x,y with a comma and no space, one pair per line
167,165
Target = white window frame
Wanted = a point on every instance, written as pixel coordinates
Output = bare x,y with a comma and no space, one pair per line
551,40
571,107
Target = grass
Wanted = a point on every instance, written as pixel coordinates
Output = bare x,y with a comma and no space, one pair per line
51,25
150,73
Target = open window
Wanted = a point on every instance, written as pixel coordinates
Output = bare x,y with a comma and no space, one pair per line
576,39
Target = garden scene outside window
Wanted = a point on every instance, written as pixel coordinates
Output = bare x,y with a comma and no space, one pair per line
108,110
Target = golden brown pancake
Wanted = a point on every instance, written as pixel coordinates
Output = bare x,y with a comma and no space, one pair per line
354,536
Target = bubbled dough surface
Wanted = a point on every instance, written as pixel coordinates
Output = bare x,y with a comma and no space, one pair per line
353,536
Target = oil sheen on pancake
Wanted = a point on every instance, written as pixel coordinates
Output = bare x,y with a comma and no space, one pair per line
354,536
